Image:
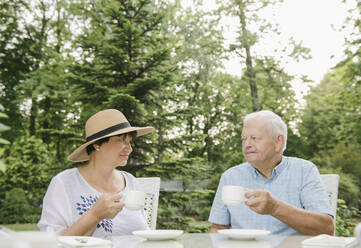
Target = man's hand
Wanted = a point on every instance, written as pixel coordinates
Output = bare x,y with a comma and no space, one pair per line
303,221
261,201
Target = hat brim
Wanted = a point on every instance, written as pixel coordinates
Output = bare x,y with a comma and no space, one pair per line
80,154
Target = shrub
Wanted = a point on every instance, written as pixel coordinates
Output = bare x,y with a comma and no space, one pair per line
183,210
344,159
170,218
346,219
28,166
16,208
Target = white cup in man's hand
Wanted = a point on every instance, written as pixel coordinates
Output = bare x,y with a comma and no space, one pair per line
134,199
233,195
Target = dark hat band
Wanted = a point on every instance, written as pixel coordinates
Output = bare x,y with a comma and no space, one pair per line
108,131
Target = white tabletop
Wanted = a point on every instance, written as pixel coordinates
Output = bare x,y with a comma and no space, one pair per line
205,240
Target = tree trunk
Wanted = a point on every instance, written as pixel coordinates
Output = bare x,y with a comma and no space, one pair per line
251,76
33,114
160,142
46,125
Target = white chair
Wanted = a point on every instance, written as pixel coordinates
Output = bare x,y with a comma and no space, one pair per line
331,181
151,186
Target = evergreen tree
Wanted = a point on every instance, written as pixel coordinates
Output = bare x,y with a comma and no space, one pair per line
2,140
15,61
123,57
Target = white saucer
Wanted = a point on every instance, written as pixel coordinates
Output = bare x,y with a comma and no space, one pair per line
244,233
158,234
159,244
232,243
83,241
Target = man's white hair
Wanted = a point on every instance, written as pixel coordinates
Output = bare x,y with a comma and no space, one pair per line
275,124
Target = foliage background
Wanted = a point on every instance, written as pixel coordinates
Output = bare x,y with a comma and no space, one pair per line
161,65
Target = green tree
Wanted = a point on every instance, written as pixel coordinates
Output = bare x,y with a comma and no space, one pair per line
123,57
2,141
252,30
349,72
199,89
320,126
330,127
182,116
29,166
328,117
15,207
35,70
46,91
329,133
15,61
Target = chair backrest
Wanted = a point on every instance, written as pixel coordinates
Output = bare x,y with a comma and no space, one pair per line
150,185
331,181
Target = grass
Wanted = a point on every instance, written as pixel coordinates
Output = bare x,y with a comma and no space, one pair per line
22,227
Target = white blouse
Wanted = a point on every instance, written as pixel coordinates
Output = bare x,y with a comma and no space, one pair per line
69,196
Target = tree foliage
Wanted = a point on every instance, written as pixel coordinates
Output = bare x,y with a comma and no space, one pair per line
162,65
2,141
16,208
29,165
330,129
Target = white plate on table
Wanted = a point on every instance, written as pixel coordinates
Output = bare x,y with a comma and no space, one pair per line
233,243
158,234
244,233
159,244
83,241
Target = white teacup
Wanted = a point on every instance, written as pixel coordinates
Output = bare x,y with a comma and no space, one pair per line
134,199
233,195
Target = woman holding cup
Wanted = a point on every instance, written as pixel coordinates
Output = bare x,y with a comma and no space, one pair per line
88,200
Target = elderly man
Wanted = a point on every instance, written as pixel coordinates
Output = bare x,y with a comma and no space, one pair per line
284,194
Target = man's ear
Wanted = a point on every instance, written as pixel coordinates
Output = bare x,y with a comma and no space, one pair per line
280,141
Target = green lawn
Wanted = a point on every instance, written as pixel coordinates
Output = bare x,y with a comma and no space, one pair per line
22,227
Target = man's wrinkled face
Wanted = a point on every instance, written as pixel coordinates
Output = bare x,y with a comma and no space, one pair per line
258,147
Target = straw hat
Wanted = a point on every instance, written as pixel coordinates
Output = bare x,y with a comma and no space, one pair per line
103,124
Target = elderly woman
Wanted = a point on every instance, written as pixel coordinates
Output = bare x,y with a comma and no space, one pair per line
87,200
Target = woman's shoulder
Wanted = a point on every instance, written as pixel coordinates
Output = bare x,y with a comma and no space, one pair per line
67,174
131,181
128,175
62,180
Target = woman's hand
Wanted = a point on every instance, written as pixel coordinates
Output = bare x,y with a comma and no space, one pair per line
107,206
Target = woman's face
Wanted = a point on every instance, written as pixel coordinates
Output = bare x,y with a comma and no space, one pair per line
117,150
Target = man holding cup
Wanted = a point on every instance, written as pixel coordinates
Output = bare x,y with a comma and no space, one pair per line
270,191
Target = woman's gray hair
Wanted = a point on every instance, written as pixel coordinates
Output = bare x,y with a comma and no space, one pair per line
275,124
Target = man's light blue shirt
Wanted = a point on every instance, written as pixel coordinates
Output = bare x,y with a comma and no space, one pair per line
294,180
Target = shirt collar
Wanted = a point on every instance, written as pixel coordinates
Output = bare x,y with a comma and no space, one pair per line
276,171
280,167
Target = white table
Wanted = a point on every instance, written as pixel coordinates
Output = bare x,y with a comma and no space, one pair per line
205,240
